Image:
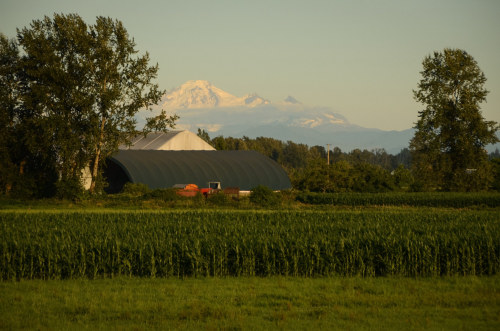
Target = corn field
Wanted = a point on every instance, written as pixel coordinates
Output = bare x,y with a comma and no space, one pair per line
418,242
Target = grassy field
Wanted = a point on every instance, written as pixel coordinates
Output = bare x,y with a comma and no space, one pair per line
334,268
252,303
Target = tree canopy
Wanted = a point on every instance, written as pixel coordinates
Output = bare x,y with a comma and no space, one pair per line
77,88
448,146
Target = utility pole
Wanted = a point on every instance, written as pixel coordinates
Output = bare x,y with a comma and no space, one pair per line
328,154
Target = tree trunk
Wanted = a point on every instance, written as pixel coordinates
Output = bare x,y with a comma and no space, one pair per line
95,165
21,167
8,188
94,173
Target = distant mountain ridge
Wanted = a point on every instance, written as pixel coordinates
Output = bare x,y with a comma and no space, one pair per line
200,104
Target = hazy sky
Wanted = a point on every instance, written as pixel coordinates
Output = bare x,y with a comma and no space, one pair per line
361,58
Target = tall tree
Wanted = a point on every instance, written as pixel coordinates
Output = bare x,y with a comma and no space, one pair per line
122,85
9,58
204,135
25,168
55,91
448,146
85,84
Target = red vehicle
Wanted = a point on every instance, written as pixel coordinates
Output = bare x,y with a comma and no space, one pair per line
190,190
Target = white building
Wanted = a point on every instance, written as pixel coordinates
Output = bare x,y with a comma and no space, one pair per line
171,141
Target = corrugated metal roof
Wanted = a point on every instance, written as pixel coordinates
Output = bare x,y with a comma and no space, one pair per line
163,169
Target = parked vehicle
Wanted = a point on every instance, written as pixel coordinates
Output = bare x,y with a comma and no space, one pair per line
190,190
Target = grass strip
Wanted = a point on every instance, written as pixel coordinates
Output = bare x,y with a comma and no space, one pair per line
253,303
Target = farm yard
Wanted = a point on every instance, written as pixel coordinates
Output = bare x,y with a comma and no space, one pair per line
344,267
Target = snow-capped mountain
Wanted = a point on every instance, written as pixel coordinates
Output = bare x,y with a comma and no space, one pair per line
291,100
203,94
200,104
198,100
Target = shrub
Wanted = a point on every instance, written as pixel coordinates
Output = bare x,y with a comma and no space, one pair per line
371,178
70,188
403,177
135,189
263,196
287,197
219,199
164,194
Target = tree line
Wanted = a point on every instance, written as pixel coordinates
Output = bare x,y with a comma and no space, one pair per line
318,170
313,168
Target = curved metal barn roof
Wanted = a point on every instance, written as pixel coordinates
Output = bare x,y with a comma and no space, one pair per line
162,169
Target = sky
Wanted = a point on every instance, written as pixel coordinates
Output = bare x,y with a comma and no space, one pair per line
361,58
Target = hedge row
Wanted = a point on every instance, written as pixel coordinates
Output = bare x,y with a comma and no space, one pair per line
424,199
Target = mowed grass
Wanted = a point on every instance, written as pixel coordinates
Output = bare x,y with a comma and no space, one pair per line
253,303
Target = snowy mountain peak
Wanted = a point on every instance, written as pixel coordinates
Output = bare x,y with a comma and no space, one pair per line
253,100
203,94
292,100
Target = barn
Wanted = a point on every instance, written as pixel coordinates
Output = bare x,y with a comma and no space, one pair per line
163,169
181,157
